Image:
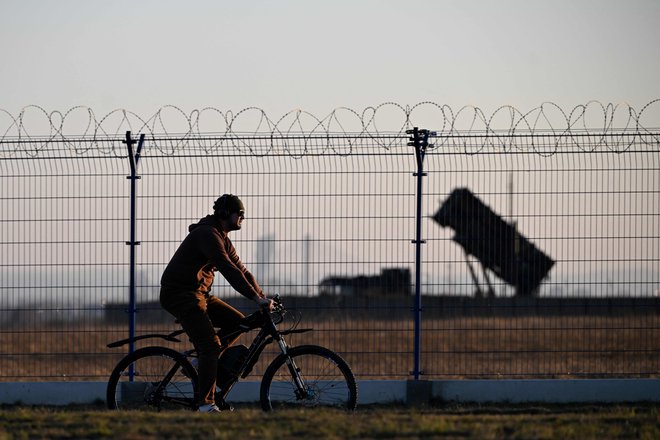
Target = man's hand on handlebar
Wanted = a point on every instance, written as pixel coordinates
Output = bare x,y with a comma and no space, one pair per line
265,304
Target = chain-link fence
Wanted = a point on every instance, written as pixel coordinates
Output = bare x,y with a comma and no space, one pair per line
485,253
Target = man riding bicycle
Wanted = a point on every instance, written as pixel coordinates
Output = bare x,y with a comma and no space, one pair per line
186,290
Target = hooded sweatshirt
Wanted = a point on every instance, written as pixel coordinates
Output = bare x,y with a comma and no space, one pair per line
207,249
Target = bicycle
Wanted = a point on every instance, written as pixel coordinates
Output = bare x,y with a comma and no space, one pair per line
159,377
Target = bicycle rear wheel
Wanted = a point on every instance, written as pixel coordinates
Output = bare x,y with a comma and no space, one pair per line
326,380
153,378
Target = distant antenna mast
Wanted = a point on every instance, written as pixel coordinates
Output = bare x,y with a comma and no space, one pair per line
306,256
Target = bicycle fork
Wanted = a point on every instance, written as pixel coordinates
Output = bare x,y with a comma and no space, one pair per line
301,390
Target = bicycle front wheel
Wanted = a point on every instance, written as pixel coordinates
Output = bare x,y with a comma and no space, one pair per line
153,378
308,376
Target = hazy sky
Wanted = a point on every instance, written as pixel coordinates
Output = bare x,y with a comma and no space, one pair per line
316,56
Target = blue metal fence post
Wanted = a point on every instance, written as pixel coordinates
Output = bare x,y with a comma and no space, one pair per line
133,159
419,140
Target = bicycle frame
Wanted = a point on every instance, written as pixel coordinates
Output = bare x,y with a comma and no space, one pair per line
167,376
266,335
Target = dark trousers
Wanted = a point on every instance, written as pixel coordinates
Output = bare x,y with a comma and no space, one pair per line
199,315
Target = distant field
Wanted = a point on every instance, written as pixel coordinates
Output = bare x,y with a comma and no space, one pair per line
474,347
620,422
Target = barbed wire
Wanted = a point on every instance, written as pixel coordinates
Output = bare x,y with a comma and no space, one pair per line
545,129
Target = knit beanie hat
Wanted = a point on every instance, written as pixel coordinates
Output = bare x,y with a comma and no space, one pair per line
228,203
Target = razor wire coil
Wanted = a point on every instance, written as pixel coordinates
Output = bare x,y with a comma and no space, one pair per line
544,130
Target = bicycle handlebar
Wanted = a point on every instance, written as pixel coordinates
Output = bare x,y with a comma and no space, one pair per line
278,306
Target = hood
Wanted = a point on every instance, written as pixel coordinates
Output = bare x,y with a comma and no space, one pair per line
209,220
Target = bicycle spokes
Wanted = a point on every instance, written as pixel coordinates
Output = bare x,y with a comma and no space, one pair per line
309,376
161,379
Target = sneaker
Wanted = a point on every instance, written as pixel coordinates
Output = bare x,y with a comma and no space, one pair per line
210,408
222,405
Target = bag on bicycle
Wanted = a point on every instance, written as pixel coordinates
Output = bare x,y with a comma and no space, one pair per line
229,364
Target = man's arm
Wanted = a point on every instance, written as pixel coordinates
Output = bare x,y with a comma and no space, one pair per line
262,300
252,280
225,259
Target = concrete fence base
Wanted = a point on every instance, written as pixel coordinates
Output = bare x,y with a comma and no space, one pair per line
411,393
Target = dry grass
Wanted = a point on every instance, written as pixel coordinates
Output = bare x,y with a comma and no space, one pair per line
376,349
638,422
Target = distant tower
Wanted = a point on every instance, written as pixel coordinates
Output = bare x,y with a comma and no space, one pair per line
307,255
265,255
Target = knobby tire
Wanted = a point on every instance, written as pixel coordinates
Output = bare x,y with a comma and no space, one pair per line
151,366
328,381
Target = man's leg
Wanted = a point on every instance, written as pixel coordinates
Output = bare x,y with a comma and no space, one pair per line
225,317
193,317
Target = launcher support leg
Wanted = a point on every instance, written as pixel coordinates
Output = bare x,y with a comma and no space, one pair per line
491,291
479,292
